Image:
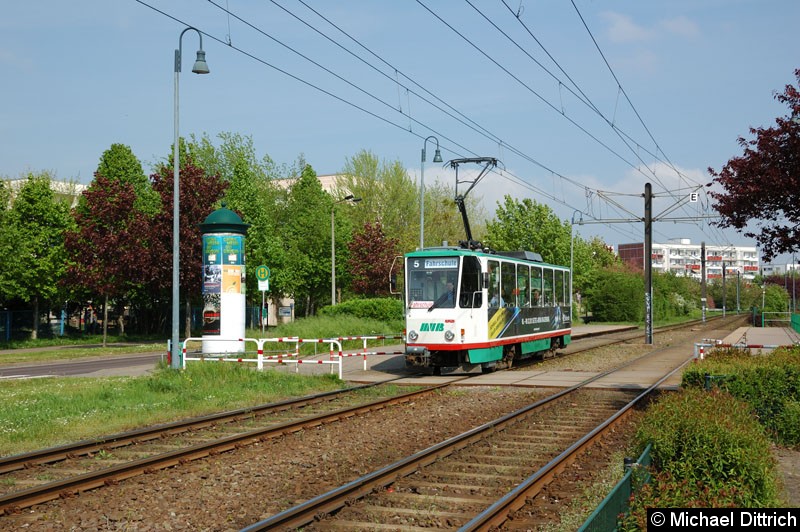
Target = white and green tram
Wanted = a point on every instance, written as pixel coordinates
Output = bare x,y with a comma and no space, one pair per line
468,308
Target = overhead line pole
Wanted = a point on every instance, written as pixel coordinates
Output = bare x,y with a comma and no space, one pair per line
648,220
648,263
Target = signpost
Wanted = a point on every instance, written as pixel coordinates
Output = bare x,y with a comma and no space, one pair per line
262,275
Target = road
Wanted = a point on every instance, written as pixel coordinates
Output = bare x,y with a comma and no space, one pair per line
131,365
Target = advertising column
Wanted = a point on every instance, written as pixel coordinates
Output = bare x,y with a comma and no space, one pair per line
223,282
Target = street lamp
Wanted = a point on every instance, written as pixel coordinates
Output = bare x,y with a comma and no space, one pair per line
353,199
200,67
437,158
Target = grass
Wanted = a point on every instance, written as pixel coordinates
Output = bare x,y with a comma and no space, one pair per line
40,413
69,347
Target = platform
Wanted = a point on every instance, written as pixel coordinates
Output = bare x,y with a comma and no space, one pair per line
763,338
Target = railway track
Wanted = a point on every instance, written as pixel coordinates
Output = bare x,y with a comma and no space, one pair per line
624,336
62,471
105,455
476,480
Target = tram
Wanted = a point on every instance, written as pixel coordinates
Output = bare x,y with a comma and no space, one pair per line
469,306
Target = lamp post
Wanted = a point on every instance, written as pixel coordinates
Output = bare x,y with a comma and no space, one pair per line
353,199
437,158
200,67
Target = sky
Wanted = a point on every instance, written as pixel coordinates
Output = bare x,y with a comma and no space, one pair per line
582,102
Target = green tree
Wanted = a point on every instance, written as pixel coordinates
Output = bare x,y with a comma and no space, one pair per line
443,221
306,274
530,226
32,253
388,196
252,193
119,163
617,295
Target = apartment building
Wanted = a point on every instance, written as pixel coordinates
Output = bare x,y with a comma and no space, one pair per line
681,257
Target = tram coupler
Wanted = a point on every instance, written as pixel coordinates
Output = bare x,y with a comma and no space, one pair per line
417,357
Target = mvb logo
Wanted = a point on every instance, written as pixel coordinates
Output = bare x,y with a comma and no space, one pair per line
432,327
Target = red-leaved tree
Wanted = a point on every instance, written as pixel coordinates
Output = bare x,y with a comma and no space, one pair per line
107,249
762,186
371,256
198,194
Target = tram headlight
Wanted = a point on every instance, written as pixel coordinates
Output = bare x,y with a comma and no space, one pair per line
448,335
412,335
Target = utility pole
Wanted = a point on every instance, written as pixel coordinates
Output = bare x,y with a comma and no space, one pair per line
648,249
648,263
724,291
738,281
703,292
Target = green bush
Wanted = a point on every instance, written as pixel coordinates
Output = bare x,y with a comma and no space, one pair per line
708,451
770,384
386,309
617,296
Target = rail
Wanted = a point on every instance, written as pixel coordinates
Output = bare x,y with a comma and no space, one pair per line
783,318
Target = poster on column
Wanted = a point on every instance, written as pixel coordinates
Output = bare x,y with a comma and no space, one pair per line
212,264
233,275
232,249
211,314
232,280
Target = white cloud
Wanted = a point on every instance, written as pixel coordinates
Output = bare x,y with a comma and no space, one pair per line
622,28
681,26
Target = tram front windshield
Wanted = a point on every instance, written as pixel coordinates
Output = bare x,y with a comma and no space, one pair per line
432,280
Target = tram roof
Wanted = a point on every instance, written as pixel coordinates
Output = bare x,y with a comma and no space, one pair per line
527,256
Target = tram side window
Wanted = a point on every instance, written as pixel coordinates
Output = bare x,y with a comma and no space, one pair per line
536,286
547,287
508,284
559,284
470,289
523,286
494,283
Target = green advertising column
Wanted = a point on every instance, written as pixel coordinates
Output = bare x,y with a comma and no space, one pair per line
223,281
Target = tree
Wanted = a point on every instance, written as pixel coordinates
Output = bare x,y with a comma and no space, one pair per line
617,295
32,246
108,247
391,198
530,226
388,196
762,186
371,256
253,195
443,222
199,194
307,239
119,163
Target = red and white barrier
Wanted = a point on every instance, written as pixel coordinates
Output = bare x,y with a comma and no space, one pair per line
699,348
260,359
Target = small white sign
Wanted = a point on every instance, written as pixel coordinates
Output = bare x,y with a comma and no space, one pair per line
263,286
